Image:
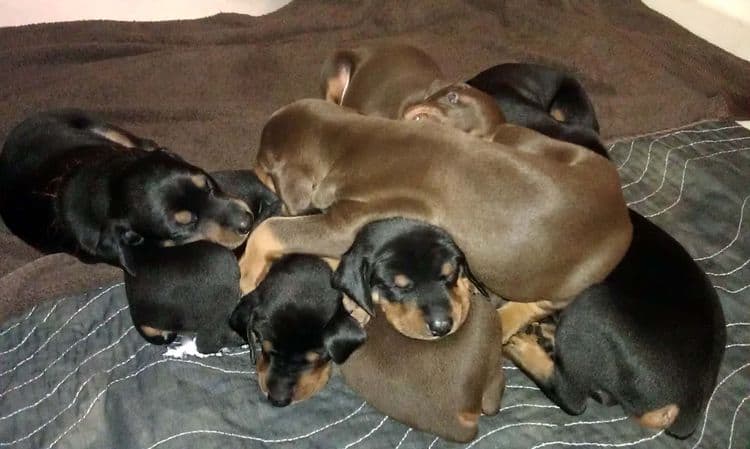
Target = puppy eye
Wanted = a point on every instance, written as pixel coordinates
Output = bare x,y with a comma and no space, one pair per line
452,97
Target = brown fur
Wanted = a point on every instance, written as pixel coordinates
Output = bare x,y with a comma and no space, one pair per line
437,386
531,227
378,79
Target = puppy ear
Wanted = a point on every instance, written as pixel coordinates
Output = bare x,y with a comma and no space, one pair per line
241,321
114,243
352,277
477,283
335,75
342,336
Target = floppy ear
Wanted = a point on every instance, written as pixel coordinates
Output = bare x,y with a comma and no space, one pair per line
114,241
335,75
352,276
241,320
342,336
469,275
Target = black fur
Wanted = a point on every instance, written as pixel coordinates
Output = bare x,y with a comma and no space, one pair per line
188,288
67,186
297,311
385,248
528,93
245,185
652,334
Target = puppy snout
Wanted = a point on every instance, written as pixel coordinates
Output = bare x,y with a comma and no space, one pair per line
440,326
279,402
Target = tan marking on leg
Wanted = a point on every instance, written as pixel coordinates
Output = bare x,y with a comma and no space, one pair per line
261,367
524,351
261,249
468,419
151,331
199,181
515,316
660,418
183,217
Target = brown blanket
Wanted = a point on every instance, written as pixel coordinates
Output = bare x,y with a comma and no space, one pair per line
205,87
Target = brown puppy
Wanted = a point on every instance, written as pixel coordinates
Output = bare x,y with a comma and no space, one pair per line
380,79
439,387
535,230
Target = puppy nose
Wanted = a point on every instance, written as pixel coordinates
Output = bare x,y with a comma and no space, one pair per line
440,326
245,223
279,402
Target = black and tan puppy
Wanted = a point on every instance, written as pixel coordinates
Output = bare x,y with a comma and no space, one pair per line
650,338
378,79
302,327
414,272
245,185
71,182
189,288
544,99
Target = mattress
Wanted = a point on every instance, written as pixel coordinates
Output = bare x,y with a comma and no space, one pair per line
74,373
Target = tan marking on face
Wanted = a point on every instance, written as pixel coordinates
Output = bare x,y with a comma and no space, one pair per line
242,205
401,280
183,217
526,353
261,249
261,367
660,418
168,243
447,269
199,181
312,381
557,114
460,302
214,232
357,312
312,356
406,318
264,177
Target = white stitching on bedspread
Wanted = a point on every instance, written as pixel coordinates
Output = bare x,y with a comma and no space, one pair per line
19,322
660,138
730,272
736,236
368,434
38,376
734,418
403,438
684,170
46,342
739,290
630,443
262,440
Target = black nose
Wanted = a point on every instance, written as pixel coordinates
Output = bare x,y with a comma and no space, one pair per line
245,223
440,326
279,402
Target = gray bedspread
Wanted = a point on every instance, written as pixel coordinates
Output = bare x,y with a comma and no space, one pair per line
75,374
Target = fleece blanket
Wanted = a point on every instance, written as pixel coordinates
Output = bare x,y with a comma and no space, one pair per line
75,374
204,88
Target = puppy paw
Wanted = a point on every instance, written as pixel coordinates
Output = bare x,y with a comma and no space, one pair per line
526,353
544,334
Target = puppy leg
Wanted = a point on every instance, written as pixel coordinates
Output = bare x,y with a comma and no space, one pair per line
514,316
493,392
660,418
328,234
156,336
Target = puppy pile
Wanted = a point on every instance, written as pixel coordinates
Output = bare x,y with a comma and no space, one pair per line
380,229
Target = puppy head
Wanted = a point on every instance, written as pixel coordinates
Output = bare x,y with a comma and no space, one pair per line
460,106
414,272
163,200
301,326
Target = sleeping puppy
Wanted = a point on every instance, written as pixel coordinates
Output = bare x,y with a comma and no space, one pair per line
414,272
188,288
301,325
650,337
378,79
71,182
440,387
544,99
245,185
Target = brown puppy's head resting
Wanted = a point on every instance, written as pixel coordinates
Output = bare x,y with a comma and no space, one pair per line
378,79
162,200
301,325
460,106
414,272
